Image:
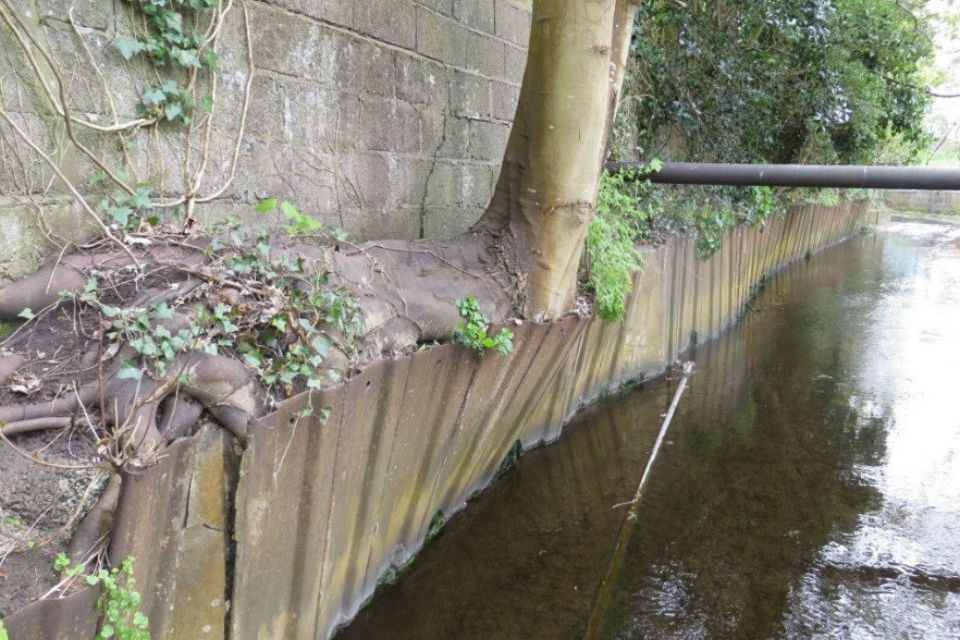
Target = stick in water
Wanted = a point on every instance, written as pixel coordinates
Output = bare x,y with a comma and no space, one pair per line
626,530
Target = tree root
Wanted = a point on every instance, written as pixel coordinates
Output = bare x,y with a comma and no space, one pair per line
62,407
179,413
70,275
35,424
96,525
9,366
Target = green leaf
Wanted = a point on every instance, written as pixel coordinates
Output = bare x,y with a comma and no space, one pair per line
128,47
172,110
141,199
289,210
27,314
62,562
140,620
163,311
120,214
106,631
210,57
128,371
266,205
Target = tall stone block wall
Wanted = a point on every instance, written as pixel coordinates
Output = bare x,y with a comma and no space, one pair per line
387,118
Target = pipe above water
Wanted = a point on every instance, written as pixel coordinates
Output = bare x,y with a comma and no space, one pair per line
800,175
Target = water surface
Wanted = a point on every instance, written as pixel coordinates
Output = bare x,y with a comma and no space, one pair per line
809,487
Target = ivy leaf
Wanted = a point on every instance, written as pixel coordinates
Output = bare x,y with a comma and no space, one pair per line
172,110
120,214
128,371
210,57
289,210
266,205
27,314
141,199
163,311
186,57
174,21
128,47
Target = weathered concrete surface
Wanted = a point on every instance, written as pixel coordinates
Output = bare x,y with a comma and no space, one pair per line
324,508
70,618
26,241
175,519
923,201
387,118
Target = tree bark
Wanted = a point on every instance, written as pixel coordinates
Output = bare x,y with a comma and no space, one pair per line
547,190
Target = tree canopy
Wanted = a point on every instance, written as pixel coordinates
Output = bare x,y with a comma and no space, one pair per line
810,81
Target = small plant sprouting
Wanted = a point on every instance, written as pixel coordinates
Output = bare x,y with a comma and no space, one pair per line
436,525
119,604
473,332
511,459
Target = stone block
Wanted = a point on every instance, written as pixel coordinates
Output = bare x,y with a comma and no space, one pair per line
448,222
441,186
266,105
346,122
441,6
421,81
393,21
432,124
96,14
513,22
469,95
388,125
85,91
515,61
440,38
456,137
364,67
476,14
485,55
474,185
488,140
504,98
307,113
290,44
336,11
413,181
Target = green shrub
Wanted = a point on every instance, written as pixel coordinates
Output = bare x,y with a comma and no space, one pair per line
473,332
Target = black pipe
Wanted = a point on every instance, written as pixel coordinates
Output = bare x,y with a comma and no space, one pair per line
800,175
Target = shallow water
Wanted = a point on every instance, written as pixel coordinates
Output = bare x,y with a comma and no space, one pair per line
809,486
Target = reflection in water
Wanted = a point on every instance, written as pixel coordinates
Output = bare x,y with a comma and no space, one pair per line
810,484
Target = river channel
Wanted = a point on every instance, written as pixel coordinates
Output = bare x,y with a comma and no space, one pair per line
809,486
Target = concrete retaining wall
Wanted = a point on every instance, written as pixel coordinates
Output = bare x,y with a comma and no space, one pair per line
387,118
923,201
323,507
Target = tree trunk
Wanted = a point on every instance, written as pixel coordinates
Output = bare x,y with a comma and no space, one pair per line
547,190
